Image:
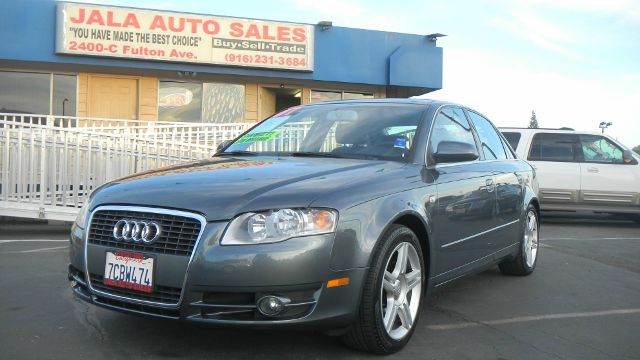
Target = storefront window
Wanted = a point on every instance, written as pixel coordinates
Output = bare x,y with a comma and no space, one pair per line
353,96
180,101
64,95
319,96
223,103
197,102
24,93
322,95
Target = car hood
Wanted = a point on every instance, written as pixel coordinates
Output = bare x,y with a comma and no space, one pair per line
222,187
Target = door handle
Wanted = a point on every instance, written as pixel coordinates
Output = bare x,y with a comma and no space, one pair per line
490,187
593,170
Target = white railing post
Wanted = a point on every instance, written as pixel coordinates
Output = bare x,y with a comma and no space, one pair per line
5,165
43,166
53,162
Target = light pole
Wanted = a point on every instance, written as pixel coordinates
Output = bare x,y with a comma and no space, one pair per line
604,125
63,102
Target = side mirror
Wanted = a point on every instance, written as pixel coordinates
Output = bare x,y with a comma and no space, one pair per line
455,151
628,159
223,145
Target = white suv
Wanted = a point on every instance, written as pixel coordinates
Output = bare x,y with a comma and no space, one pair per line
580,170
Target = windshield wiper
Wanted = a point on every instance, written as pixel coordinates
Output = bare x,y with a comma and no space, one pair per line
315,154
332,155
239,152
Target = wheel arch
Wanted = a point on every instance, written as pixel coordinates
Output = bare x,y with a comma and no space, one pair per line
536,204
413,222
420,226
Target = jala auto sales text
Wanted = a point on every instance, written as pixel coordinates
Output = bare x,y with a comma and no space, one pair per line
179,24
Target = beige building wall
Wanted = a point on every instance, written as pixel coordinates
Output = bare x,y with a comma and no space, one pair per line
83,83
259,101
266,102
306,96
251,102
148,104
146,96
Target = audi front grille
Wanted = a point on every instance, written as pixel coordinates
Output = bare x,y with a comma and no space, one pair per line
179,233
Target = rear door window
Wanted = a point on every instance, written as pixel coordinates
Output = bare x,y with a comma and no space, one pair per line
555,147
489,138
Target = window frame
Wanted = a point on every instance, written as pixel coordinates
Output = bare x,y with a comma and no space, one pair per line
507,152
429,153
51,89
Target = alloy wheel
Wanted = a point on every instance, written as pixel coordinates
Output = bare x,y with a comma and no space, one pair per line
401,290
531,238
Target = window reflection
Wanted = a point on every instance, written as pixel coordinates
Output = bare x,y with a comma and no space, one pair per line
64,95
223,103
179,101
323,95
319,96
24,93
355,96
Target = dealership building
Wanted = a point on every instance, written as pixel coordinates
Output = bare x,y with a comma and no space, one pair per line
87,60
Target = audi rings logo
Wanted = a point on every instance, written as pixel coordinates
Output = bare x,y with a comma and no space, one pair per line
136,231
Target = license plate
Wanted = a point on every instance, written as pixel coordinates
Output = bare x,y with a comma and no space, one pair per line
129,270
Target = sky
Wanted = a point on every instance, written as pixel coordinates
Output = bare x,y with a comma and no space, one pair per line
575,63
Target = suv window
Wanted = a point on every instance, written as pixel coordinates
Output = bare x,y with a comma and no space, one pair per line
507,149
554,147
489,138
600,150
451,125
513,138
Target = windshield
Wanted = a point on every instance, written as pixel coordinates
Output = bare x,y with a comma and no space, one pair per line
362,130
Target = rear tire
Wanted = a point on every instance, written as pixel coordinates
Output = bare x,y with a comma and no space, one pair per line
525,261
392,295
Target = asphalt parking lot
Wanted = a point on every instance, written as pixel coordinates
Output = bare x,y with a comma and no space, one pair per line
583,302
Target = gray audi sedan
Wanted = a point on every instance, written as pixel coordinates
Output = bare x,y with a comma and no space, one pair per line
337,216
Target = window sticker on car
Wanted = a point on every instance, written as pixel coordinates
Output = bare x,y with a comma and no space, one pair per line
400,143
259,136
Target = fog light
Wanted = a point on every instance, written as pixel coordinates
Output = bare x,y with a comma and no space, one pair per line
272,305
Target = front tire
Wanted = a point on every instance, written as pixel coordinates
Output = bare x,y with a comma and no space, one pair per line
392,295
525,261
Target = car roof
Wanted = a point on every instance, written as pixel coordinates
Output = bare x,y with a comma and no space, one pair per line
414,100
547,130
419,101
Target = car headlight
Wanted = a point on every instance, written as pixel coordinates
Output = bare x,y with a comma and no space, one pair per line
278,225
81,219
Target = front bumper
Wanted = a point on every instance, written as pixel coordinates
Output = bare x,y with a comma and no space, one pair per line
221,284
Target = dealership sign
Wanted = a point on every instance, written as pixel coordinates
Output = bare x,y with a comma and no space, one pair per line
84,29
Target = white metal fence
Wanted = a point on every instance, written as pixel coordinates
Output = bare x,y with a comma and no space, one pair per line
49,164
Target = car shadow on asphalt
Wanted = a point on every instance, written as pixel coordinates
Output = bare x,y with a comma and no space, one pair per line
173,339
